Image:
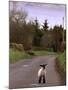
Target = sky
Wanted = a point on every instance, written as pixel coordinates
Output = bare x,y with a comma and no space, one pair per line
42,11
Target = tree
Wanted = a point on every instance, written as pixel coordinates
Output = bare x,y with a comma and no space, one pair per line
17,15
37,34
28,36
45,26
47,39
17,18
57,36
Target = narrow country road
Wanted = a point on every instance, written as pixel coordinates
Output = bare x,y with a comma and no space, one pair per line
24,73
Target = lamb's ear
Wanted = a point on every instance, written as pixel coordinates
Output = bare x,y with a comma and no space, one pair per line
46,64
41,65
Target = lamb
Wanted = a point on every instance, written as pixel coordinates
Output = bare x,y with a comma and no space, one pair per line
42,73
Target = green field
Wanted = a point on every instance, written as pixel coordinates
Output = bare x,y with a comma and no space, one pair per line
16,55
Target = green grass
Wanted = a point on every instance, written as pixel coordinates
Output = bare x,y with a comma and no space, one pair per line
16,55
62,60
41,53
61,66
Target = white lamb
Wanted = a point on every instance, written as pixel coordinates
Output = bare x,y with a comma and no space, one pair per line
42,74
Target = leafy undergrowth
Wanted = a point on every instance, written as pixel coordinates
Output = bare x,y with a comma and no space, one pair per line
61,66
62,60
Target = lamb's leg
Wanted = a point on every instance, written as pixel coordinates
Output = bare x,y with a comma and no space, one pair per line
44,81
40,78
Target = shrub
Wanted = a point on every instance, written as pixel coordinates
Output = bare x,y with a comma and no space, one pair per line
61,66
17,46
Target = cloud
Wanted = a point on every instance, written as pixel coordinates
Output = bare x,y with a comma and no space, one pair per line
46,6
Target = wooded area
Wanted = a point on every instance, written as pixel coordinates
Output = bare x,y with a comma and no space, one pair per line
31,36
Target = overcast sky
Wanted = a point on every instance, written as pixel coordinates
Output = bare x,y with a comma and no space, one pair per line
52,12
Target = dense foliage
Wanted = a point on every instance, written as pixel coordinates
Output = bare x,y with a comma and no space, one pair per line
30,34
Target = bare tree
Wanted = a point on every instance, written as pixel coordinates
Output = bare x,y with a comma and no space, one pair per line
17,15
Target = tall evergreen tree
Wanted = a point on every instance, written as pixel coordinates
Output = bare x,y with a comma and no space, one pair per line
37,34
45,26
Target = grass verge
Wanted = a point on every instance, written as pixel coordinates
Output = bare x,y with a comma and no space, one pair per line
61,66
16,55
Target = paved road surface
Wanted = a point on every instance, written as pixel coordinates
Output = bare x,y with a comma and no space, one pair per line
24,73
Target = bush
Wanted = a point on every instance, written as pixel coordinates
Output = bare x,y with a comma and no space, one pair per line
30,52
61,66
63,46
17,46
62,60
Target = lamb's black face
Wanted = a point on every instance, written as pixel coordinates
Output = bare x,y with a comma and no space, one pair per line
43,65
